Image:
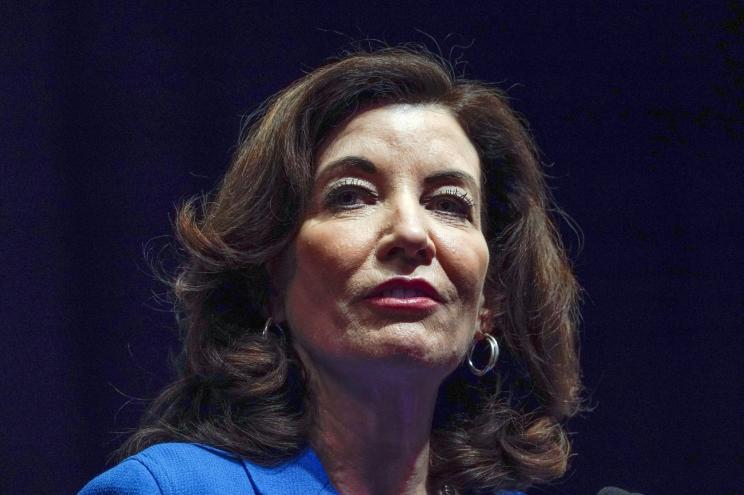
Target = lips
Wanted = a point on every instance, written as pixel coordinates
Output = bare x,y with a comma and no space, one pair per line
405,288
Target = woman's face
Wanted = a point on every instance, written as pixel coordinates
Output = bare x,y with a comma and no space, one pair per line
396,197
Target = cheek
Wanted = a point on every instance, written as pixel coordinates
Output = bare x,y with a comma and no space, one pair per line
465,259
326,257
330,249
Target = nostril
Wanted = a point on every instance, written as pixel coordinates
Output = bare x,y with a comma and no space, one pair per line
413,257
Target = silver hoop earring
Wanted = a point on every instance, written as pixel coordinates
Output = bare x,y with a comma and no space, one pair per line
268,324
494,348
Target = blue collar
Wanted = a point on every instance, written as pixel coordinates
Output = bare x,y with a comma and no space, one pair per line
302,475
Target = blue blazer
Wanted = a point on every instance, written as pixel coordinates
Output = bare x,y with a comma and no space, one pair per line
194,469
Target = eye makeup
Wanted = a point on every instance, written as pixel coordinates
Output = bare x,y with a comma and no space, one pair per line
341,193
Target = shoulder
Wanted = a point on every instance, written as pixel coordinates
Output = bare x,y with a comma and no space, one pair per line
170,468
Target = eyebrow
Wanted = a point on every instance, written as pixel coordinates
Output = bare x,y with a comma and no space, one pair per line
351,163
348,163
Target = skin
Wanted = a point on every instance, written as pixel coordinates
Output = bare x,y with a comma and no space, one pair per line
374,375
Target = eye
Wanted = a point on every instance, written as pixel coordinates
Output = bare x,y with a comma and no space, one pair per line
453,202
348,194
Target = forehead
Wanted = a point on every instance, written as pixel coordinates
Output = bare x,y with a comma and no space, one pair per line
419,135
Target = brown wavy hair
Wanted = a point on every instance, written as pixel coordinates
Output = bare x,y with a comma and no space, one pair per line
246,393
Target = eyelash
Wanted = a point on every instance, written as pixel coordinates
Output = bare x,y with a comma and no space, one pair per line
334,195
462,197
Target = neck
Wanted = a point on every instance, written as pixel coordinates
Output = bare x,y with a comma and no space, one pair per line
372,435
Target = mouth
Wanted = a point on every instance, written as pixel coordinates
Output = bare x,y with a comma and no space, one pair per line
405,288
405,294
402,293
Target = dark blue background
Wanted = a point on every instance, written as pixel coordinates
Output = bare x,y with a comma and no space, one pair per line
112,114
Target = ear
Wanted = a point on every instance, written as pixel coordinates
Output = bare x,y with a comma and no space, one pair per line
485,318
275,297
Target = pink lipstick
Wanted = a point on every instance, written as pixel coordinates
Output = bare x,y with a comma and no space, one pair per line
405,294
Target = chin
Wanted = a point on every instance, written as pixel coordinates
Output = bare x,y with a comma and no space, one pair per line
414,354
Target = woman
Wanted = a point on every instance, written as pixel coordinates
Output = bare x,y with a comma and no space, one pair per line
381,237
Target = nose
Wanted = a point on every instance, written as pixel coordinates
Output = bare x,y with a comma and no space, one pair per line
407,233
